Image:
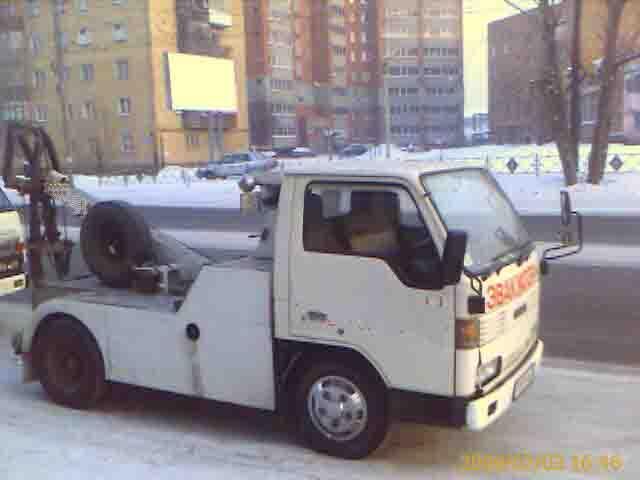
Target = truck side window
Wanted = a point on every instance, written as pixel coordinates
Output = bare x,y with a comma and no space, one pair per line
378,222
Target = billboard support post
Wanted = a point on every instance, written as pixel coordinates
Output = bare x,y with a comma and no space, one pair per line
215,122
213,147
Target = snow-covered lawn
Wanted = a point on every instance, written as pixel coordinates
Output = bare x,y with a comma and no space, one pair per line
619,193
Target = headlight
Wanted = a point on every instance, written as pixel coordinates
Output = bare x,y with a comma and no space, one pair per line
14,265
489,371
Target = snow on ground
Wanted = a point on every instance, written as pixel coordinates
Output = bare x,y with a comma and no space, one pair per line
139,434
618,194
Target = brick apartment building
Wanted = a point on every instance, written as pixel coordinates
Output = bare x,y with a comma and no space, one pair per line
312,67
115,78
516,110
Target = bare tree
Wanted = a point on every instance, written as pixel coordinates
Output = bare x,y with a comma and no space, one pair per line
557,89
612,63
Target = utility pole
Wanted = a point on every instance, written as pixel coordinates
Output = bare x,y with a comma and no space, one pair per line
387,111
57,7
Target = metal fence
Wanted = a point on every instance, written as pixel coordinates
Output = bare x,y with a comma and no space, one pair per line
544,164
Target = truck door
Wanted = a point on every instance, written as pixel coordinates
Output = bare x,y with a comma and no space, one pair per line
365,274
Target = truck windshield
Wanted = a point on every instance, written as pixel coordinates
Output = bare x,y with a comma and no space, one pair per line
471,200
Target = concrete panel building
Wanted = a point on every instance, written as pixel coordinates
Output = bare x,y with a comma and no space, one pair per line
422,49
115,78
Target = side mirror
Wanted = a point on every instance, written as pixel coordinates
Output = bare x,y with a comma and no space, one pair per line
566,209
453,258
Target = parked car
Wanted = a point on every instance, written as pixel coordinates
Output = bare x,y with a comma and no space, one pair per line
294,152
354,150
235,164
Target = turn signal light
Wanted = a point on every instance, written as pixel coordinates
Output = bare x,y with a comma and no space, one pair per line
19,247
467,334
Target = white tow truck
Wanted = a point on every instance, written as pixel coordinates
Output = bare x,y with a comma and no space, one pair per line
383,291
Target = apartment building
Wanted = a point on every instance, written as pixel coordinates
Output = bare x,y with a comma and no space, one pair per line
516,60
422,54
623,105
13,86
311,71
115,78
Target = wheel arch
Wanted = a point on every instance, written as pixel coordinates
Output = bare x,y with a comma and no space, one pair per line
47,319
294,358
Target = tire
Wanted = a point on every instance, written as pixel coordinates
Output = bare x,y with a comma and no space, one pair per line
115,239
69,364
330,429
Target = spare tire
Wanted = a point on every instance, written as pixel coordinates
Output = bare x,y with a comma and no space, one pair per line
115,239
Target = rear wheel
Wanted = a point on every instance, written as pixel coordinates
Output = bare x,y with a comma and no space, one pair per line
69,364
341,411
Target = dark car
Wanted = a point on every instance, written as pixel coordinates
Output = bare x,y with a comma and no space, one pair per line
354,150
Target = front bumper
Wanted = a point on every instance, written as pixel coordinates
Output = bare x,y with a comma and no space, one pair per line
483,411
13,284
474,413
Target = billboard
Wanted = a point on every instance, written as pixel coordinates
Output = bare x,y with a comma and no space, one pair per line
202,84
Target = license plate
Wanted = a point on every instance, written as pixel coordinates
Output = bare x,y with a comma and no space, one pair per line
523,382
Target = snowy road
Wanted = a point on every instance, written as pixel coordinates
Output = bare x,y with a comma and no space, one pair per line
140,434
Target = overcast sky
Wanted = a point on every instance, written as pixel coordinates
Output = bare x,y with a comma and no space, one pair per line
477,15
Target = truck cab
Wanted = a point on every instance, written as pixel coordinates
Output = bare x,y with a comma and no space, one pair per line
12,264
376,292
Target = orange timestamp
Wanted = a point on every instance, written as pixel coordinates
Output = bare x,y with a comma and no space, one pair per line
549,462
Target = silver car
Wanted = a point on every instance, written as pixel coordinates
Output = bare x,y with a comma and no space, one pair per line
237,164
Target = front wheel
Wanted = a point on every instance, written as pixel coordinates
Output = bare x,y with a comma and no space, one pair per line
341,411
69,364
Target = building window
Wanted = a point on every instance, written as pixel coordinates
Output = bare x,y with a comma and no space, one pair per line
119,33
87,72
192,141
33,7
39,79
127,144
122,70
124,106
84,37
636,120
40,113
35,43
83,6
88,111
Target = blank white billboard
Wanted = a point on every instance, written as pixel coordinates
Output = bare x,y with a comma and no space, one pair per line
202,84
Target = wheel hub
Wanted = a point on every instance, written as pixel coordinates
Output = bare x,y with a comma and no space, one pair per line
337,408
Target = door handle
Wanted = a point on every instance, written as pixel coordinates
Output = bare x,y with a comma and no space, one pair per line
316,316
